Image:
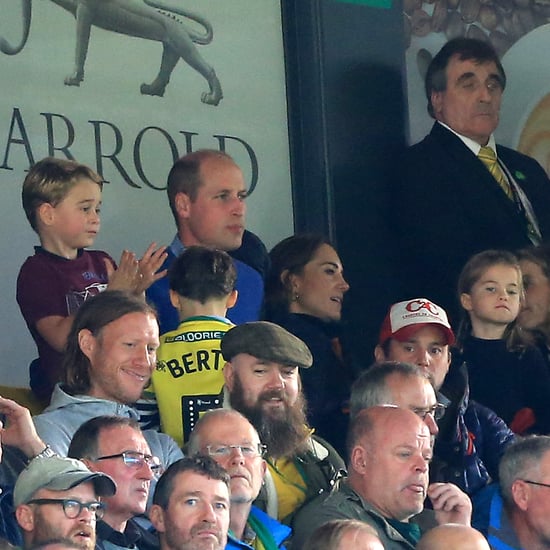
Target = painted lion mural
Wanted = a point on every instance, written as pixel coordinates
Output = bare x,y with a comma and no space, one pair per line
148,19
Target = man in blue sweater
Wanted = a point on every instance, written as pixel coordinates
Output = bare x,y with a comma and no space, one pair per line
207,192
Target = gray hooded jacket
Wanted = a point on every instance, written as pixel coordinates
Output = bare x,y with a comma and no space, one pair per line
66,413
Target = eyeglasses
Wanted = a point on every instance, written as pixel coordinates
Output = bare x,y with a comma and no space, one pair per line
535,483
73,508
437,411
134,459
248,451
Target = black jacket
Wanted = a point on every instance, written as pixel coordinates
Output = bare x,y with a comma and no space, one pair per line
446,207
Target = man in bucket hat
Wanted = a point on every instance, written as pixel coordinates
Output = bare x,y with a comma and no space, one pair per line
262,382
58,498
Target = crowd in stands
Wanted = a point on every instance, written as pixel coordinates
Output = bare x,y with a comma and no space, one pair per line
201,397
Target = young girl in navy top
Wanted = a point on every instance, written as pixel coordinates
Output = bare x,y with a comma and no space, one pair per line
506,373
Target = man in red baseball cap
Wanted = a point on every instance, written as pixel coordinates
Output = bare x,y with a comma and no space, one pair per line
417,331
471,438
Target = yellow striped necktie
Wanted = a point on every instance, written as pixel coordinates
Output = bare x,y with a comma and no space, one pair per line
489,158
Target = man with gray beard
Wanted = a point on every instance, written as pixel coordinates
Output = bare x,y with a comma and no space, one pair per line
262,382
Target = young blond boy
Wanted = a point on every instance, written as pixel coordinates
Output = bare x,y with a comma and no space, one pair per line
188,379
62,201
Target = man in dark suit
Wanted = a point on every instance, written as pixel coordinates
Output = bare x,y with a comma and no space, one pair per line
449,204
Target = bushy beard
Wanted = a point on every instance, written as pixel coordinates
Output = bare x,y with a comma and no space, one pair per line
284,431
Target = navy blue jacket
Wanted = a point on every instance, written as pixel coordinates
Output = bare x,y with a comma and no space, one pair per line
509,381
327,383
471,440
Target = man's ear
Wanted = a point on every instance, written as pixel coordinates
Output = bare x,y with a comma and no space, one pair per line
25,517
229,375
379,354
358,459
436,99
466,301
520,493
156,516
183,204
87,342
90,464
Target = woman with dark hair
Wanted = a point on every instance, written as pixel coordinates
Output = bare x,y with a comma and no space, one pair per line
535,312
304,293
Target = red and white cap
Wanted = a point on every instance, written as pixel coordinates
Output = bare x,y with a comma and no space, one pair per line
405,318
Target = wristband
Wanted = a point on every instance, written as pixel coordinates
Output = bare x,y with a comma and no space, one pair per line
47,452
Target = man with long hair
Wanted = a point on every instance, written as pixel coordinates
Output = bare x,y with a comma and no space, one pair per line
110,355
263,383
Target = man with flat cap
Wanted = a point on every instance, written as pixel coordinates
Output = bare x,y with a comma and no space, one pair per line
262,382
57,498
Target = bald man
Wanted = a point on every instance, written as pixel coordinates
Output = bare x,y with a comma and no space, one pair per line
231,440
453,536
390,450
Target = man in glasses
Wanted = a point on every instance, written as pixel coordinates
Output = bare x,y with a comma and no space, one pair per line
231,440
519,513
471,438
116,446
401,384
59,498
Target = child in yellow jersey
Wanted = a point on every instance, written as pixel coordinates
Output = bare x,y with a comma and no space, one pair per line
188,378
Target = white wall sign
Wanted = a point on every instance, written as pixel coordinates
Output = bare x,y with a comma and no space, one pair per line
151,82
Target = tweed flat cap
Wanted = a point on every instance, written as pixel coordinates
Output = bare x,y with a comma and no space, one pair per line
266,341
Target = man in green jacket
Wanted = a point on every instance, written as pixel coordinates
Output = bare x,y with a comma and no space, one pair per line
390,451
